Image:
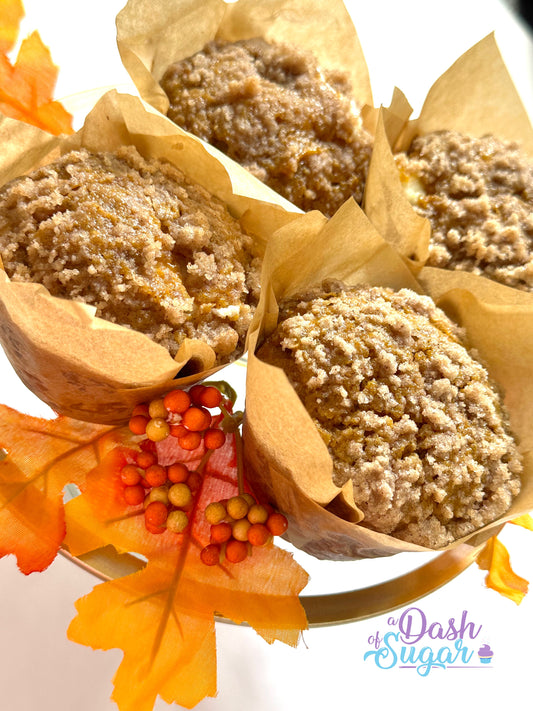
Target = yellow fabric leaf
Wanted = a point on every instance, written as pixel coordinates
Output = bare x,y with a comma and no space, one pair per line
163,616
495,559
526,521
11,13
169,649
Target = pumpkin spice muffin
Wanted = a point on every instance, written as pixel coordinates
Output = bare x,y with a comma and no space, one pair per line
272,109
407,413
138,241
477,194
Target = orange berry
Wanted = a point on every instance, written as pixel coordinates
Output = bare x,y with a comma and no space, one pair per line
236,551
195,393
240,529
130,475
178,430
137,424
214,439
156,475
141,409
215,512
257,514
180,495
194,481
220,532
146,459
177,521
177,401
155,514
154,529
196,419
258,534
237,507
277,524
134,495
157,429
177,473
210,555
190,441
210,396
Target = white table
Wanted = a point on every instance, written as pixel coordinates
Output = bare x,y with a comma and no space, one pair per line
40,669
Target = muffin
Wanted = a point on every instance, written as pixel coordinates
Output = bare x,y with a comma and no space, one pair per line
137,240
407,413
271,108
477,194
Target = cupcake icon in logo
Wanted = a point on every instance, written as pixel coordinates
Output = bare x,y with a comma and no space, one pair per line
485,654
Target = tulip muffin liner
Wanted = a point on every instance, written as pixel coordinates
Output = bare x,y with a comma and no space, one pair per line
286,459
476,97
81,365
152,37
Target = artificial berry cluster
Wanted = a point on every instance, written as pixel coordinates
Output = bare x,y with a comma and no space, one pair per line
237,524
167,493
184,415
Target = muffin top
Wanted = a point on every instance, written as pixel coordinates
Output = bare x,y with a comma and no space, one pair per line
272,109
407,412
478,196
138,241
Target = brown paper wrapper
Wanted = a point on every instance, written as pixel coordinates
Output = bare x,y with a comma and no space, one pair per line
151,37
286,459
83,366
475,96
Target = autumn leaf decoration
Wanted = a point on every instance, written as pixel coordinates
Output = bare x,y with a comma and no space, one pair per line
40,457
495,559
27,86
163,616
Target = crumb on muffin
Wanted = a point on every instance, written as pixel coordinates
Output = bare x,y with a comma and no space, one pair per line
477,194
406,411
271,108
137,240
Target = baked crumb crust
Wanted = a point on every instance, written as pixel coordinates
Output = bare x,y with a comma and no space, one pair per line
478,196
137,240
273,110
407,413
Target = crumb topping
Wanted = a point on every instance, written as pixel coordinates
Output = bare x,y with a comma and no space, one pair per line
407,413
478,196
273,110
138,241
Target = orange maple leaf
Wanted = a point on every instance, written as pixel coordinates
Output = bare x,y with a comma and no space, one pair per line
27,87
494,558
163,616
39,458
11,13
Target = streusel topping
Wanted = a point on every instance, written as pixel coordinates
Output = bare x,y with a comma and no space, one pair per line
407,413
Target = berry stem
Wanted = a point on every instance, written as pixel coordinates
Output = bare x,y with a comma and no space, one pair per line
240,467
203,462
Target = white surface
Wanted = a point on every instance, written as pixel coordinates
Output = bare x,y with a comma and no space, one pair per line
39,668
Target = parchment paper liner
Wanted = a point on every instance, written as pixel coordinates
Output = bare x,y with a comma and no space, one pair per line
285,457
475,96
152,36
83,366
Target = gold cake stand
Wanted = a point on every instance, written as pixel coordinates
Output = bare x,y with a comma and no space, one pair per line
327,609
